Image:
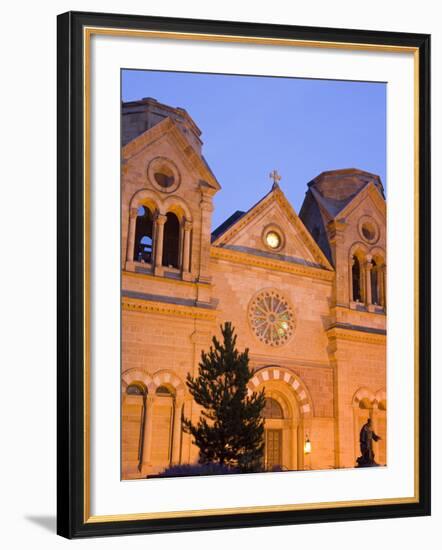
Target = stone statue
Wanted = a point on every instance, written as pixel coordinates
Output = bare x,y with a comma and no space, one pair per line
366,438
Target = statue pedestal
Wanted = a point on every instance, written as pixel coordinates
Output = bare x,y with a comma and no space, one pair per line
363,462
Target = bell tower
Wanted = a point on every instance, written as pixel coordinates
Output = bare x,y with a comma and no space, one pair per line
167,192
345,212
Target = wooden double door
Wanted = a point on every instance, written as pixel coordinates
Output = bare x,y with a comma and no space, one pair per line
273,448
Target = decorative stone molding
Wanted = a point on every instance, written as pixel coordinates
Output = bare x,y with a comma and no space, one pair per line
168,378
378,254
145,275
282,374
147,197
258,359
177,205
161,308
361,394
359,249
153,381
235,256
373,398
355,335
278,196
135,375
187,225
160,219
380,396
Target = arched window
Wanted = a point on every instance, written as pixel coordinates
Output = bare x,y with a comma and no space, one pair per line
377,280
163,390
143,236
272,409
171,242
135,389
365,404
374,279
163,426
356,279
134,421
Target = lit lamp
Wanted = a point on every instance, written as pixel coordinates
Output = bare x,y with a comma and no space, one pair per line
307,446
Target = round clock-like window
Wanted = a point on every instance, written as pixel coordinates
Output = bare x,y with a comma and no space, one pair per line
163,174
271,318
273,237
368,229
164,177
273,240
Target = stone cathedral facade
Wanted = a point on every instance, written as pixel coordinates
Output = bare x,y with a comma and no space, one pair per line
306,293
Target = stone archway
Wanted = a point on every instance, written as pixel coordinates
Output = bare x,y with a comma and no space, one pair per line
285,432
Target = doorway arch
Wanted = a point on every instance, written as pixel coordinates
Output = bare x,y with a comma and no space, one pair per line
287,416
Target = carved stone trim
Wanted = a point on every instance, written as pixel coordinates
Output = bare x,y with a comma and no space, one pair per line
284,375
278,196
144,306
235,256
338,333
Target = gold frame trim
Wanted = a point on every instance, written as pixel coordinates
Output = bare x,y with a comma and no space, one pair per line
87,34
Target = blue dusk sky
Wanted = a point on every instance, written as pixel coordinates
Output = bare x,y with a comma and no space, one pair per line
252,125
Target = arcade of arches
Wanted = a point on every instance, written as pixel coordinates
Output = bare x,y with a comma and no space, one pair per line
306,293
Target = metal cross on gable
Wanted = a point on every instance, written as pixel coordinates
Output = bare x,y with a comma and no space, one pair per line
275,177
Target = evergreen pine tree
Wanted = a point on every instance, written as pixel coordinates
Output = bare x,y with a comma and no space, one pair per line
230,430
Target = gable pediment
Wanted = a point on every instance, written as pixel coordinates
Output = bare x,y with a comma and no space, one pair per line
367,201
273,214
167,140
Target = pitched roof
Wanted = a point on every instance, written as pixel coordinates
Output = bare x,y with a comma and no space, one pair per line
334,194
235,224
185,145
227,223
334,189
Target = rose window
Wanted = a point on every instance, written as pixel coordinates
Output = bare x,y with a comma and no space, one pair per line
271,318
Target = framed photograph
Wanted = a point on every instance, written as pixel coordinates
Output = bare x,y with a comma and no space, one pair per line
234,347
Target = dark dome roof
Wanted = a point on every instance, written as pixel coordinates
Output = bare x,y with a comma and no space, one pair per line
338,187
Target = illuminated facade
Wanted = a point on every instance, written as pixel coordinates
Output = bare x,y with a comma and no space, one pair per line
305,293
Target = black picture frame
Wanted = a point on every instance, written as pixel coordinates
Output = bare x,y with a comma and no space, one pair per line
71,390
